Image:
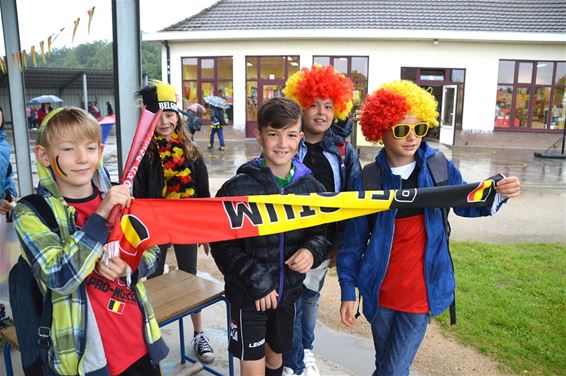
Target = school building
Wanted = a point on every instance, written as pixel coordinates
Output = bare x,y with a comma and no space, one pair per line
497,68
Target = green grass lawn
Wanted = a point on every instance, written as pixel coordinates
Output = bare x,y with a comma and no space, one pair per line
511,304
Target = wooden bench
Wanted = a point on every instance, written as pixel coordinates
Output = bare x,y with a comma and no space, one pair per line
173,295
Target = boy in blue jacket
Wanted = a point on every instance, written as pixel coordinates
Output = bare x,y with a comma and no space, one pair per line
325,96
400,262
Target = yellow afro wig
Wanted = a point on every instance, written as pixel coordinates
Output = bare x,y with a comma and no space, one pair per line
391,103
307,85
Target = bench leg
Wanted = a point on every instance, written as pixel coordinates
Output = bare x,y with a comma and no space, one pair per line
182,340
228,322
8,360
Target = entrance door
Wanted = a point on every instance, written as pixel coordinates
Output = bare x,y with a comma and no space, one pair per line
448,114
266,90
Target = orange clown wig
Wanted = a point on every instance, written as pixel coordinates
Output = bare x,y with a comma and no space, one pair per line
391,103
307,85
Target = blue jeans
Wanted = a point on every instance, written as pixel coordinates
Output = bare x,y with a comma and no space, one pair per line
303,332
396,337
216,129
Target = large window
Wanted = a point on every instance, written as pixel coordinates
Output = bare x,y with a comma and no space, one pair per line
355,68
530,95
204,76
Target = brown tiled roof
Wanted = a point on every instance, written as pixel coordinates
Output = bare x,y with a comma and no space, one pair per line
534,16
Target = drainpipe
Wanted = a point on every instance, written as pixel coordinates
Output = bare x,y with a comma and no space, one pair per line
168,62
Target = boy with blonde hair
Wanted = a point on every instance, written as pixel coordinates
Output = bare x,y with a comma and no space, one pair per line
100,325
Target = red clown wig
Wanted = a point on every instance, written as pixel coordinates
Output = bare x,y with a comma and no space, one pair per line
391,103
307,85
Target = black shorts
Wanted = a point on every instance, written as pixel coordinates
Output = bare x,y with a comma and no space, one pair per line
250,329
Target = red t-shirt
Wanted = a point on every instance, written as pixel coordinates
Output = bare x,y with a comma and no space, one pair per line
118,315
403,288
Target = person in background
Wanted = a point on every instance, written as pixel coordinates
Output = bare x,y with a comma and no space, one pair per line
399,259
7,185
217,125
325,96
109,109
173,168
194,119
43,111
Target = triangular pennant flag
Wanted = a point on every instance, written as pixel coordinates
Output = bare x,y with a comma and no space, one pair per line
42,47
24,59
90,13
54,38
2,66
19,60
33,57
75,29
49,42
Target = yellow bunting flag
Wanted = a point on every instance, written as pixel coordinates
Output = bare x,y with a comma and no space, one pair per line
33,57
18,60
75,29
42,47
49,41
90,13
24,59
2,66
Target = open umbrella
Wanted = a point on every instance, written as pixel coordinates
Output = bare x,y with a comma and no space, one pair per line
196,108
45,99
106,123
216,102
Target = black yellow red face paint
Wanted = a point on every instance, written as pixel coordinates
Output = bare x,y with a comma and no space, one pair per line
56,167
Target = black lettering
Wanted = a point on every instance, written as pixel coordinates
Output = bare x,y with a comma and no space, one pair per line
361,195
328,210
272,213
243,209
289,211
406,195
381,195
307,212
328,194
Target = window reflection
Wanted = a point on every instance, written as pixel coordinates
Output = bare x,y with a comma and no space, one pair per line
506,72
525,72
544,73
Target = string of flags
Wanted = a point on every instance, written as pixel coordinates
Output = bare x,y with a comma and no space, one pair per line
20,58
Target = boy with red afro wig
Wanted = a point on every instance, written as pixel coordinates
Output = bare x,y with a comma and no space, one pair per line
402,267
325,97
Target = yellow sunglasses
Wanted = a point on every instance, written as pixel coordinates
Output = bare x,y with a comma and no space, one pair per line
401,131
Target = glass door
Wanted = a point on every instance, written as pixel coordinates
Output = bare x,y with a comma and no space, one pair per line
448,114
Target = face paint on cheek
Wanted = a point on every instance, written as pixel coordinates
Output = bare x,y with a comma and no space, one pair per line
55,166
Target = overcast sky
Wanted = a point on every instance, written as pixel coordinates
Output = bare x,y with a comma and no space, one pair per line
40,18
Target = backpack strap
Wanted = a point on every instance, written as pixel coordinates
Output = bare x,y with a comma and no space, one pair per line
42,210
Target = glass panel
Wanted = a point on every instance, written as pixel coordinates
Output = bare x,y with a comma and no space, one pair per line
522,100
271,91
432,75
560,74
409,74
206,88
558,109
293,64
360,92
273,67
322,60
503,106
525,73
506,72
341,65
540,108
224,68
544,72
190,94
458,75
251,68
251,101
448,99
207,68
359,68
190,68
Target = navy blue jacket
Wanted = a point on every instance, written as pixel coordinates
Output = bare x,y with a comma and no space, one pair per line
363,261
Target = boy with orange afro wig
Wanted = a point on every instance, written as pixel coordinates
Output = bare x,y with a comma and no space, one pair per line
325,97
402,267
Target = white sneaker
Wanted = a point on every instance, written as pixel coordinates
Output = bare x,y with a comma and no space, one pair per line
310,364
289,372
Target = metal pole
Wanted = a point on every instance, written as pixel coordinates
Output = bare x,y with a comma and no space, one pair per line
17,97
85,93
127,72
